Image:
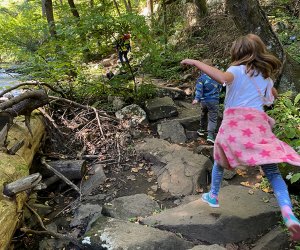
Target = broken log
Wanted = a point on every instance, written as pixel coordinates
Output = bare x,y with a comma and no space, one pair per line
61,176
26,183
72,169
14,167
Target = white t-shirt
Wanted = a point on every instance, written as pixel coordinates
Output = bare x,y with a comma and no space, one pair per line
243,91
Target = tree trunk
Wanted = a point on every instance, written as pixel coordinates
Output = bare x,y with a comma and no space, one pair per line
129,6
126,5
150,7
202,7
48,7
73,8
117,7
92,3
165,21
250,18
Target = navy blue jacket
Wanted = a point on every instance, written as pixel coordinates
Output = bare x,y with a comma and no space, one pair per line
207,89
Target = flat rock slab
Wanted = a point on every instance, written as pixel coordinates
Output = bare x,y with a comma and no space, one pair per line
178,170
172,131
211,247
126,207
114,234
275,239
159,108
241,216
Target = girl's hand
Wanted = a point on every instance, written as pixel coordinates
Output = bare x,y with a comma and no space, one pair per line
194,102
187,62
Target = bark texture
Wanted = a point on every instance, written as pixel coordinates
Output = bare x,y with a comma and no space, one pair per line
250,18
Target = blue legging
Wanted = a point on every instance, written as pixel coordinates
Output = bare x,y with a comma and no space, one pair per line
273,175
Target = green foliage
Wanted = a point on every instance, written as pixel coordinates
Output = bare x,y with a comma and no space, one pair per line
286,112
287,25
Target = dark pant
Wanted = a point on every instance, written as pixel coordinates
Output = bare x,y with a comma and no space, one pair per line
123,54
209,114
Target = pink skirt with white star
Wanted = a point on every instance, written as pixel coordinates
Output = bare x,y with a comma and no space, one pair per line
245,138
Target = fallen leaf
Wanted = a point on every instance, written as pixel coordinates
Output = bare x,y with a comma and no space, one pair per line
134,170
250,191
245,183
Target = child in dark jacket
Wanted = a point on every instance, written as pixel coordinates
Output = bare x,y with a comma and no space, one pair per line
207,94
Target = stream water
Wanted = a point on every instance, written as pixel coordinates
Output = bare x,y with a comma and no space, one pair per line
8,80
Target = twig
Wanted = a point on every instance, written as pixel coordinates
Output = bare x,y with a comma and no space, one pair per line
69,205
119,154
55,235
98,120
44,113
61,176
37,216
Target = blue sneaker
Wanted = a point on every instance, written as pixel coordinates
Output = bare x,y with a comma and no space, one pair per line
293,226
210,200
210,139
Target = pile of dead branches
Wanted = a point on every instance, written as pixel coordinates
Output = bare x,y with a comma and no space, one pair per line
84,132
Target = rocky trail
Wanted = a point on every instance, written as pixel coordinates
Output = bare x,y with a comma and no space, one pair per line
143,174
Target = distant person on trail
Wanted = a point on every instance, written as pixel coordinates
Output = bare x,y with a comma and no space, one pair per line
208,93
123,47
245,136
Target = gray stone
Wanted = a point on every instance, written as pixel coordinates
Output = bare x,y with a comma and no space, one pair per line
50,244
210,247
134,113
178,170
118,103
174,93
159,108
188,115
94,180
84,213
241,216
229,174
126,207
115,234
171,131
275,239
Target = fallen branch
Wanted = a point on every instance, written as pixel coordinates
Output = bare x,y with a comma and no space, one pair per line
55,235
34,84
23,184
98,120
37,215
34,95
61,176
103,114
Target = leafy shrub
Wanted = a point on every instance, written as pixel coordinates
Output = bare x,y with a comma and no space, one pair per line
286,112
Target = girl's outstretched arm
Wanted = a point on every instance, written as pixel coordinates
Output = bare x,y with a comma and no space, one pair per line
216,74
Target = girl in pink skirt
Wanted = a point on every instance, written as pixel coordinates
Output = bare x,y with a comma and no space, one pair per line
245,137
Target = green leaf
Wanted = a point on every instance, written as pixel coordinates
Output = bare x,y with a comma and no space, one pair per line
297,99
290,132
295,178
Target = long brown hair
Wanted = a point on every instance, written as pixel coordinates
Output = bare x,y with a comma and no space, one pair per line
251,51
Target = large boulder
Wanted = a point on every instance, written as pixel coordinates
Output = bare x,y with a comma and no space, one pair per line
241,216
134,113
159,108
178,170
172,131
126,207
113,234
174,93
